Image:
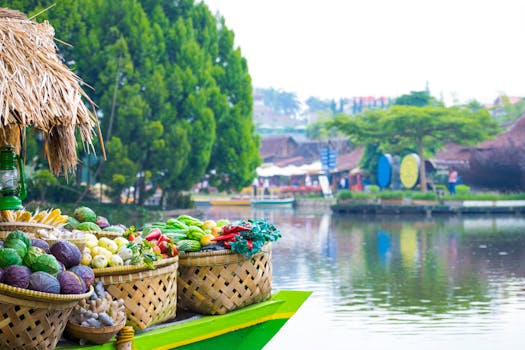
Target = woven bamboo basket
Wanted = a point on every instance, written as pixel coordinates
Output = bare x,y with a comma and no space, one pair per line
108,234
93,334
28,227
214,283
150,296
34,320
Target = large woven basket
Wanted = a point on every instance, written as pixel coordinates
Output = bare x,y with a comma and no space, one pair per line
214,283
29,227
33,320
150,296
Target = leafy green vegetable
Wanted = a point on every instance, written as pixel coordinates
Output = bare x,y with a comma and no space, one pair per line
251,242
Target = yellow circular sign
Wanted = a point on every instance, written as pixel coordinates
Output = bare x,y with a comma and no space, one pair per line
409,170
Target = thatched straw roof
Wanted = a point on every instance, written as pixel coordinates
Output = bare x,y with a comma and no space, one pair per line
37,89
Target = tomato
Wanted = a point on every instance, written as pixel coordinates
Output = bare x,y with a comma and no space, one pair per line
131,238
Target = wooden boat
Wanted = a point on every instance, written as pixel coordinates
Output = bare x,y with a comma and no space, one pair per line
247,328
273,202
230,202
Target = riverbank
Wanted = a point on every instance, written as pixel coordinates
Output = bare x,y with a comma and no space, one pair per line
447,208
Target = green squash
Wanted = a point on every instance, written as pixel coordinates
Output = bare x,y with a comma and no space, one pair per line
88,226
83,214
72,223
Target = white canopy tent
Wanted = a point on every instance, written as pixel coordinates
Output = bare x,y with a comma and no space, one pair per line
269,169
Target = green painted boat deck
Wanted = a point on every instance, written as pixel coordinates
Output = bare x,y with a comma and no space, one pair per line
248,328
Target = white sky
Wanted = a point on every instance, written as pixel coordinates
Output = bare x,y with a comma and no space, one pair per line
465,49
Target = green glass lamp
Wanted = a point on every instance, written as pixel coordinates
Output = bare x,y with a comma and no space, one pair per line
12,179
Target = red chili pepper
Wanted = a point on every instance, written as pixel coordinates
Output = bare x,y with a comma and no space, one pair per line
155,233
164,238
131,238
235,228
164,246
250,244
227,237
172,250
227,245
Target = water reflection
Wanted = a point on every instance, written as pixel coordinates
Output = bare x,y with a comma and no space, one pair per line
387,281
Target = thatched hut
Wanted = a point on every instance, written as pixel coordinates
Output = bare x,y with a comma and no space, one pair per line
37,89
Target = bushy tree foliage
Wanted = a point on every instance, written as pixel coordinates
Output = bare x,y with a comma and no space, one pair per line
424,129
174,94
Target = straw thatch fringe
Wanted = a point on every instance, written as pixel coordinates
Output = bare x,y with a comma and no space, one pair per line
37,89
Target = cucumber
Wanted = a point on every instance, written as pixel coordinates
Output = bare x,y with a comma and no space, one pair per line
188,245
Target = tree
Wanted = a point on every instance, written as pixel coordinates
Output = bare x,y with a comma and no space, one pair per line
42,180
169,84
424,129
282,102
418,99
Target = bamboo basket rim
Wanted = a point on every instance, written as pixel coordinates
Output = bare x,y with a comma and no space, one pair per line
206,253
116,270
98,335
218,257
12,225
98,330
107,234
33,295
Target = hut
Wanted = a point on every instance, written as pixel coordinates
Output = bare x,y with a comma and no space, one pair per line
38,90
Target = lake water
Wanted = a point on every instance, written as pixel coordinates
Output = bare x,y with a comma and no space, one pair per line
398,283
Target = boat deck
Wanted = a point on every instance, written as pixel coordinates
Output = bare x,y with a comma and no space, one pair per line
247,328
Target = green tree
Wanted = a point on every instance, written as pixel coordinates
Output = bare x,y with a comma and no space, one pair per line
169,84
315,104
424,129
417,99
42,180
120,171
282,102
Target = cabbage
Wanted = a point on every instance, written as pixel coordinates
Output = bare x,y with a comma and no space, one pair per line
9,256
85,273
37,242
21,235
32,254
71,283
66,252
17,276
47,263
44,282
18,245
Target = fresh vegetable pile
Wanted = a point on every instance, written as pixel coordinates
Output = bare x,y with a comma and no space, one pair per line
130,249
33,264
85,219
190,234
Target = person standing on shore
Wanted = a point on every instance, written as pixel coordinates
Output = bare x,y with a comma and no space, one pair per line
254,186
452,180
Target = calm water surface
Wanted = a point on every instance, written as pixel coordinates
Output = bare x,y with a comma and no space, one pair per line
398,283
